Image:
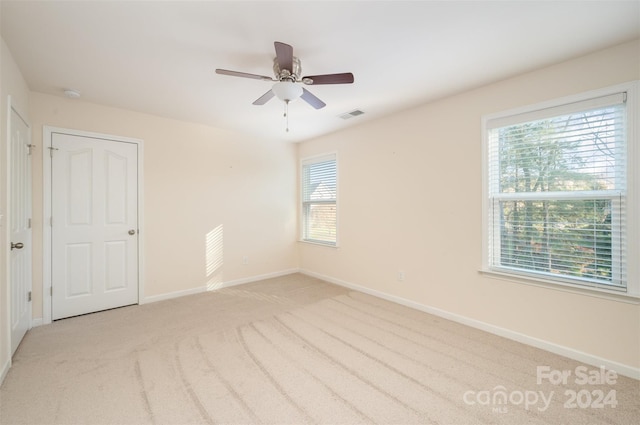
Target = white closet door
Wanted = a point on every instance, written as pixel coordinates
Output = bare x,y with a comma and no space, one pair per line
94,225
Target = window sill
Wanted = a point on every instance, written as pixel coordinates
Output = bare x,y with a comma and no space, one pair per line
610,295
328,245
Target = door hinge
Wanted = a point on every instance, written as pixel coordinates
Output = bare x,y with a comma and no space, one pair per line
51,149
30,147
29,296
29,224
51,221
51,290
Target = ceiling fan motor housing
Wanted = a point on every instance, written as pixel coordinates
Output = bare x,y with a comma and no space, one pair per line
285,74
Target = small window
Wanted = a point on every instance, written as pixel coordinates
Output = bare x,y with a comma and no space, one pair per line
556,187
319,195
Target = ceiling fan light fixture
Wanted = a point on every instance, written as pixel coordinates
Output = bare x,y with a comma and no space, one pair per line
287,90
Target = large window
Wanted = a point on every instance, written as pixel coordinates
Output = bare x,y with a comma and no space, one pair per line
557,192
319,190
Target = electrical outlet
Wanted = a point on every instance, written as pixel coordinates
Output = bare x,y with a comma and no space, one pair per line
245,260
400,276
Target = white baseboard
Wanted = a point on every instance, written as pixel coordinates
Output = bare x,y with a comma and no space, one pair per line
259,277
5,370
622,369
201,289
174,294
36,322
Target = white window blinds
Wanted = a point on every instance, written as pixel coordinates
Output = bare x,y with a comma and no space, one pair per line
319,195
557,192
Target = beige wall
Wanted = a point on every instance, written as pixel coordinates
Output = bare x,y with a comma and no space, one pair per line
11,84
196,178
410,198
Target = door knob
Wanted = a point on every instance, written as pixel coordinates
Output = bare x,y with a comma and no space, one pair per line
132,232
18,245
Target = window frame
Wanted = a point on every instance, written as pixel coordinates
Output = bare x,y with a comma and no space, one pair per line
632,199
302,203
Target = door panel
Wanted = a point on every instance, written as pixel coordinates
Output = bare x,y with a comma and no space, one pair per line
79,279
94,207
80,199
117,191
116,265
20,228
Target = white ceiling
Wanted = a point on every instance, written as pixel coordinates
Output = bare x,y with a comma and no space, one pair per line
159,57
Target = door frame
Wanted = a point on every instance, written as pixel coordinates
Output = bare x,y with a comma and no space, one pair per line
47,134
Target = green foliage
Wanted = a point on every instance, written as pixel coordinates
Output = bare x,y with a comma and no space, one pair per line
570,237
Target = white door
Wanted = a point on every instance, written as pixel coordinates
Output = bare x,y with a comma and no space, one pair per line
20,228
94,232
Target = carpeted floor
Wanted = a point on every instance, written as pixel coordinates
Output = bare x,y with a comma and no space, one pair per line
294,350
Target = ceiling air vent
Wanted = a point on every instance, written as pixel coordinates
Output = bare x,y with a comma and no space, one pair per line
351,114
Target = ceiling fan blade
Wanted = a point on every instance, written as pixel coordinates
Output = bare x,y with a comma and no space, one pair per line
308,97
264,98
243,75
344,78
284,53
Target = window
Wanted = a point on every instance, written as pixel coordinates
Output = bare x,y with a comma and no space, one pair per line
557,192
319,188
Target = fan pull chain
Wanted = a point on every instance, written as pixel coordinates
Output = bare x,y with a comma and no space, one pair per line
286,113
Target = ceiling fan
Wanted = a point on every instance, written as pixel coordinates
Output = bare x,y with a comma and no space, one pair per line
287,70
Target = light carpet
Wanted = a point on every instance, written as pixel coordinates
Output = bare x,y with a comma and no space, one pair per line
294,350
